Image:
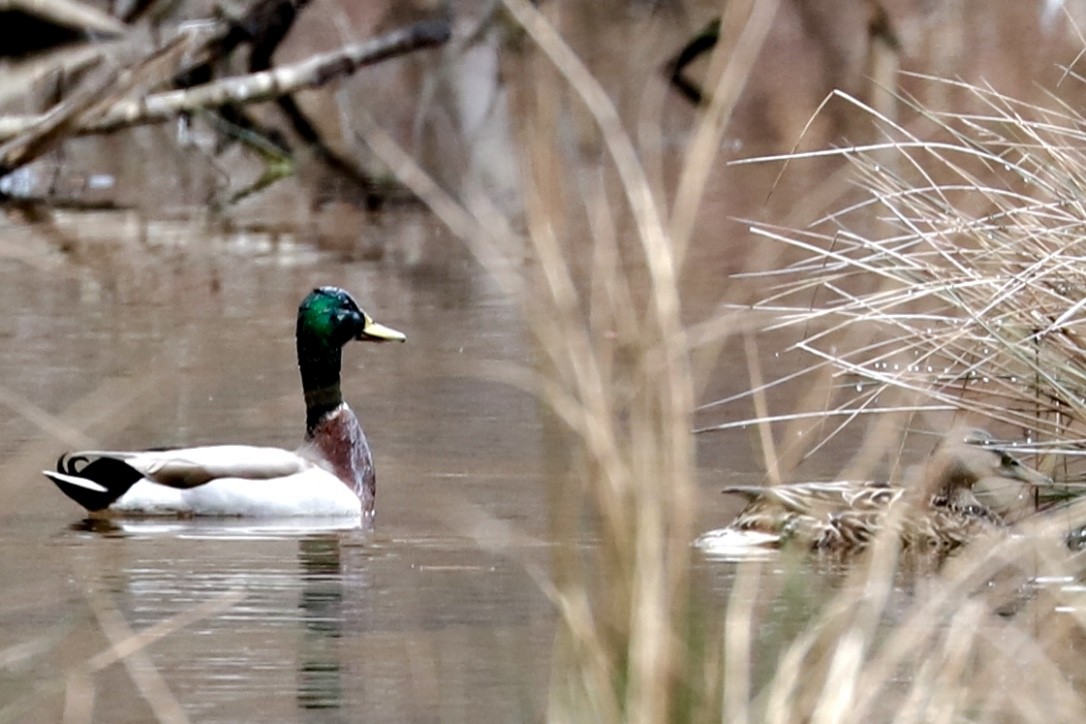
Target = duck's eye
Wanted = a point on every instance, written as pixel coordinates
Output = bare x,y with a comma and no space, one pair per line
1008,461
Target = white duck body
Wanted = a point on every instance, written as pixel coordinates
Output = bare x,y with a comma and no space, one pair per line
310,493
226,480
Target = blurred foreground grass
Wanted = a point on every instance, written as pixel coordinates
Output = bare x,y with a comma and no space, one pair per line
974,277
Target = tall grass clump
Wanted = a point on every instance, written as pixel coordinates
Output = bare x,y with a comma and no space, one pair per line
991,635
962,262
953,288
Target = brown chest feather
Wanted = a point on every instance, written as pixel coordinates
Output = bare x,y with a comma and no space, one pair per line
338,444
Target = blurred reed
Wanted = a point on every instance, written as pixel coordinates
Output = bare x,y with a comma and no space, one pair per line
975,280
615,358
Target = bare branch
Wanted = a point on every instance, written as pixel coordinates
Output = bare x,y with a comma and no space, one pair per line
68,13
253,88
53,128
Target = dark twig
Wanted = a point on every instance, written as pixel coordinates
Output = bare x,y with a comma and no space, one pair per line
705,40
277,19
266,24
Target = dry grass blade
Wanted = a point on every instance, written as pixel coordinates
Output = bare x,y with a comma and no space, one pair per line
738,642
954,286
125,642
129,647
971,286
730,66
42,134
490,242
112,402
966,300
141,669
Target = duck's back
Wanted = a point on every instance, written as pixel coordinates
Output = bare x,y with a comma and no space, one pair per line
819,515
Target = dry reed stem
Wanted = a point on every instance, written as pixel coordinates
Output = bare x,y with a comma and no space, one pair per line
848,666
77,682
971,275
114,400
152,687
647,532
620,655
737,644
729,69
761,410
581,649
128,647
653,559
1023,302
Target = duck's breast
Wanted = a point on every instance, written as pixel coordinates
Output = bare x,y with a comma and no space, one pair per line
339,445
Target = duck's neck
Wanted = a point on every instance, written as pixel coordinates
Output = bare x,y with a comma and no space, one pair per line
319,366
947,475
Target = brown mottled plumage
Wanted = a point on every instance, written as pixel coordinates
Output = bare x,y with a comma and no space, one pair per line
942,511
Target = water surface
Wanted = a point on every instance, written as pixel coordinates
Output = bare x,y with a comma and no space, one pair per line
186,337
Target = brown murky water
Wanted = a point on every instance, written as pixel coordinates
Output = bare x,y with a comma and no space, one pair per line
124,333
173,340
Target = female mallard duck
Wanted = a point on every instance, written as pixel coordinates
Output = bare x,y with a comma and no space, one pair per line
943,511
331,474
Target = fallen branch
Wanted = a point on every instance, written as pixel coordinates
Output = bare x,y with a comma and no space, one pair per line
253,88
76,16
48,131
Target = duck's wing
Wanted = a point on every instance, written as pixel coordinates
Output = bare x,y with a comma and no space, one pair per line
737,544
822,515
189,467
95,479
816,498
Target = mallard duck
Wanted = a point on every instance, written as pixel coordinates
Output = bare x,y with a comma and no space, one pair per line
331,474
943,511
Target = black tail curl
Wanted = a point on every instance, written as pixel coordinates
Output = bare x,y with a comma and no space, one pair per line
114,475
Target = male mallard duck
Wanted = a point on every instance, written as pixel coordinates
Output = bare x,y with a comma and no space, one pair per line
331,474
943,512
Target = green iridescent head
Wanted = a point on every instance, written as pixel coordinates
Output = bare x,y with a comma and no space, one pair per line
329,318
